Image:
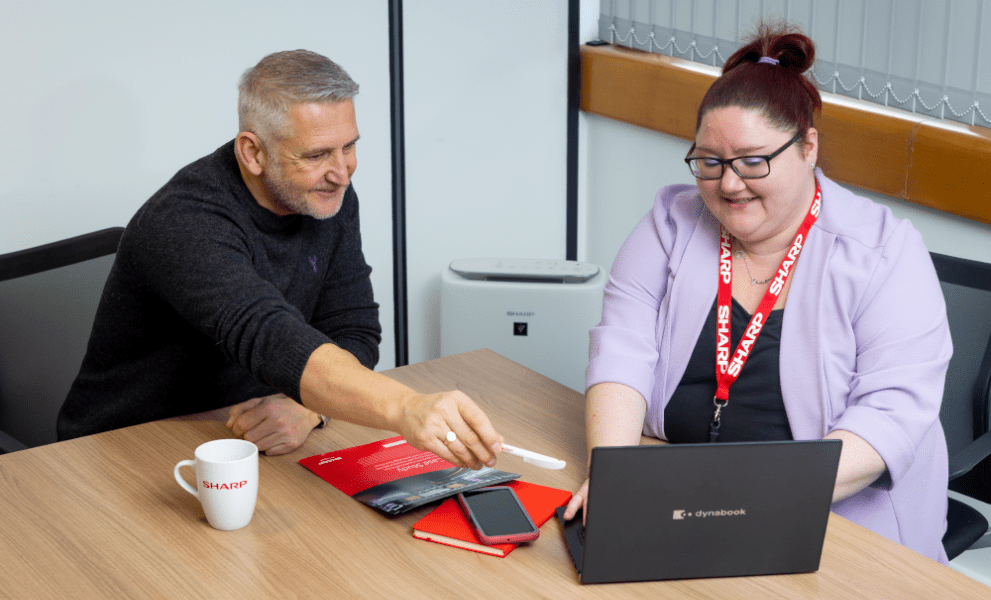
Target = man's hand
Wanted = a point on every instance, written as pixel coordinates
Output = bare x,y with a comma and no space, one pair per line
427,418
277,424
337,385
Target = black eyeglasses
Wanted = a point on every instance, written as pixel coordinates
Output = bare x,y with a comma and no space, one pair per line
747,167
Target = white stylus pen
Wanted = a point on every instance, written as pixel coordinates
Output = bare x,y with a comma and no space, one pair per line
533,458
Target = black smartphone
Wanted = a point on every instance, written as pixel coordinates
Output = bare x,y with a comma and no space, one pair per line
498,516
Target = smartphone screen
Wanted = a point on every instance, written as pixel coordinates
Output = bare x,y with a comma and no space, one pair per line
498,516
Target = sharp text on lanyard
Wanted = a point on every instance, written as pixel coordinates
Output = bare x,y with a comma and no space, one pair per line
728,369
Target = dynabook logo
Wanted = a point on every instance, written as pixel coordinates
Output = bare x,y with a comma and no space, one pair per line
681,515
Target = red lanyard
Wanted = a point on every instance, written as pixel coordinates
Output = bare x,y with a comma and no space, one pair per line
728,369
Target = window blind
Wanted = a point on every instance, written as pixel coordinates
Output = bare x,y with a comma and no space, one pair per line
924,56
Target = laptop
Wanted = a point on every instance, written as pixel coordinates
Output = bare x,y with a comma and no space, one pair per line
704,510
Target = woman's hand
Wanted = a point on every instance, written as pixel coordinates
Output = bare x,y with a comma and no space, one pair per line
614,416
579,500
860,465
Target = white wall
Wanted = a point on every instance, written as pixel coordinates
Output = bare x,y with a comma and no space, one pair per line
486,107
114,98
627,165
103,101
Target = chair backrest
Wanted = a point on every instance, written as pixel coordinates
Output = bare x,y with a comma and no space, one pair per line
48,299
967,290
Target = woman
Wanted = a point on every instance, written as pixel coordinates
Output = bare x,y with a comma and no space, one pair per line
843,327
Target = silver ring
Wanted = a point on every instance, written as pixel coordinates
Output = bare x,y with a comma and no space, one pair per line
451,436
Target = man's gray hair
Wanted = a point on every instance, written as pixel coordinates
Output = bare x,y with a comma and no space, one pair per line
269,90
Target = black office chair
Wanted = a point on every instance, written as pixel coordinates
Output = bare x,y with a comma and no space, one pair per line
48,299
964,414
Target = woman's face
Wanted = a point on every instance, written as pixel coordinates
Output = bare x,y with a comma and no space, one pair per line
763,210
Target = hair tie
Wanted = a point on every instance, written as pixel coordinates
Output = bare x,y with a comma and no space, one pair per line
768,60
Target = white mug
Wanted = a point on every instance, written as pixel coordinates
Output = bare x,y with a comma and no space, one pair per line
227,481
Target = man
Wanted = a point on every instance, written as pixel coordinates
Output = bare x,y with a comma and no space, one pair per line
242,283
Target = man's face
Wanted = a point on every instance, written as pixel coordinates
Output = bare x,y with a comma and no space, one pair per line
308,172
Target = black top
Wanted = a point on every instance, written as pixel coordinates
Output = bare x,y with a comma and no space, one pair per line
756,410
213,300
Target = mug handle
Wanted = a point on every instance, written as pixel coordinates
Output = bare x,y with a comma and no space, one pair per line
181,481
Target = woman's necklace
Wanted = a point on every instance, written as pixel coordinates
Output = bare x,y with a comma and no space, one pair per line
741,254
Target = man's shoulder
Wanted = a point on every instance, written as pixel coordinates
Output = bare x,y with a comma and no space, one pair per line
209,183
200,203
216,173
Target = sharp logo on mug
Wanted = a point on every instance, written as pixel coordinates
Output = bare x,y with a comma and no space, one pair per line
227,478
234,485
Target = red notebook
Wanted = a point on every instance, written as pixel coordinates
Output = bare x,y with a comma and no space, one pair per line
448,525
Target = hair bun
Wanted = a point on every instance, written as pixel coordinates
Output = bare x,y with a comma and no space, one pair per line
792,49
767,75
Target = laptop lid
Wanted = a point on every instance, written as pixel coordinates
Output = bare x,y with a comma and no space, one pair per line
707,510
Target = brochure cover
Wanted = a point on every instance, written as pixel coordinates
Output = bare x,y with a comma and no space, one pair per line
394,477
447,524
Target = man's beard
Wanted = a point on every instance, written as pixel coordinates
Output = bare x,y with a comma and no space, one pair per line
288,196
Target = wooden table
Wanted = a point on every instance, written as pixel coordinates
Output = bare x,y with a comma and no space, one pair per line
102,517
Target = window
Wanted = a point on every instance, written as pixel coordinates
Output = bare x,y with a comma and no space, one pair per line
924,56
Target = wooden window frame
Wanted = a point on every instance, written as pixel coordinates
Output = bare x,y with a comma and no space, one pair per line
943,165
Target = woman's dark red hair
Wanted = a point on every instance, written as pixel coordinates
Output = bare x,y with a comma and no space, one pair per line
781,92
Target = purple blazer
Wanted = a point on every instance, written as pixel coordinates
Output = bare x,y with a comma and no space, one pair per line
864,342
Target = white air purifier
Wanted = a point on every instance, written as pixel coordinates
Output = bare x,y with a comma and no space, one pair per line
535,312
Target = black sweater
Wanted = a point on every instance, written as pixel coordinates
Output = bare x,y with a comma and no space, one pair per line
213,300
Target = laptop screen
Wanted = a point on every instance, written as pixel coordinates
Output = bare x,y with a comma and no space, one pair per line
707,510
